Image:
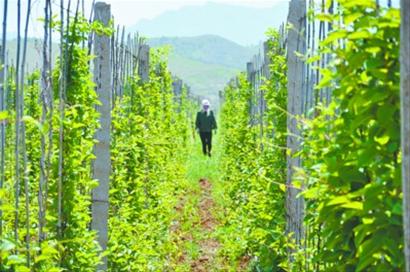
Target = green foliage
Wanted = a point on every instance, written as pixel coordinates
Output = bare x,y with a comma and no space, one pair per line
76,249
150,137
254,168
351,148
350,171
80,124
350,152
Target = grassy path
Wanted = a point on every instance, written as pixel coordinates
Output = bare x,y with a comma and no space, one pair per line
208,245
200,215
195,224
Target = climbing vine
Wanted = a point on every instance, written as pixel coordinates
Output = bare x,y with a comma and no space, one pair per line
351,148
150,132
150,136
350,174
254,170
350,155
74,248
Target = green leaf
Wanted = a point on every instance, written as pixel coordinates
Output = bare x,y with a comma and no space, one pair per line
397,209
385,114
22,269
360,233
368,221
282,187
4,115
30,120
367,249
355,205
15,259
335,35
324,17
361,34
6,245
338,200
383,140
366,156
350,18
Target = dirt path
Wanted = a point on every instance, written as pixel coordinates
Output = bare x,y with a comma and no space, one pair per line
194,232
208,245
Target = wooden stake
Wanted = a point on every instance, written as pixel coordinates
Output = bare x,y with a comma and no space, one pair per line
122,61
45,97
2,105
23,140
17,128
61,84
50,104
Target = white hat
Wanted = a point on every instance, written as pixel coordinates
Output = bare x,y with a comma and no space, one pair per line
205,102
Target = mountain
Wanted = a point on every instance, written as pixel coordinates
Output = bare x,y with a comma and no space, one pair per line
33,55
210,49
205,63
204,79
243,25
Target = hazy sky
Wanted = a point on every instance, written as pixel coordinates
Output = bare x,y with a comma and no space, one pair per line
126,12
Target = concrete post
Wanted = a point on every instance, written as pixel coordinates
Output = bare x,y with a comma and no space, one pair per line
405,122
250,71
296,82
177,87
143,63
102,163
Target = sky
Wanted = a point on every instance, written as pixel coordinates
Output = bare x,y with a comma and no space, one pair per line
126,12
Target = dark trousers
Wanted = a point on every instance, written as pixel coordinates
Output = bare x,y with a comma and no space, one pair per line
206,139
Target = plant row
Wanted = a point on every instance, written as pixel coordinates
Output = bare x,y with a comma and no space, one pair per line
350,177
46,194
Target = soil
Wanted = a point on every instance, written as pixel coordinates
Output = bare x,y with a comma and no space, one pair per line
206,223
208,245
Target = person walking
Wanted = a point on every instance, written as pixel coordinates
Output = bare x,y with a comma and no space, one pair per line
205,124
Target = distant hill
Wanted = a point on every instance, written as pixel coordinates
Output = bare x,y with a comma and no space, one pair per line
210,43
205,80
210,49
243,25
34,53
205,63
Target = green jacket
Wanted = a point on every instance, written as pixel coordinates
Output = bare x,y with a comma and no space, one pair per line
205,123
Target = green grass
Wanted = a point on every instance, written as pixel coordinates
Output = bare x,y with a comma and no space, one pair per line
190,233
200,166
